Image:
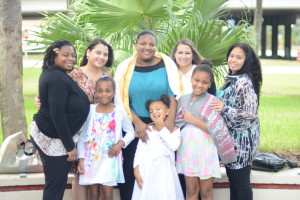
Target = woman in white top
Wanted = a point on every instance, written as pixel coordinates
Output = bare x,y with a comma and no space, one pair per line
186,56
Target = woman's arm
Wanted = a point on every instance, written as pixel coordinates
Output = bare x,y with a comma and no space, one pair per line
169,122
58,92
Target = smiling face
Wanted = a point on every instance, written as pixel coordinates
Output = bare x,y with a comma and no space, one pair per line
146,47
236,59
105,92
65,58
200,82
98,56
158,109
184,56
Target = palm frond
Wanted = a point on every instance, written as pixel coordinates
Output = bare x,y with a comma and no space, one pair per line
210,9
116,15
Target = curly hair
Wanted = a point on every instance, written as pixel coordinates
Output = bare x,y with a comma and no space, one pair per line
251,66
163,98
51,53
92,46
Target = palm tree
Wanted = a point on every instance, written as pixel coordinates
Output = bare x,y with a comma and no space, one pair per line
118,22
11,88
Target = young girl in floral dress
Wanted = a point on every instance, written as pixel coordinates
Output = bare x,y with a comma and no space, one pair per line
100,143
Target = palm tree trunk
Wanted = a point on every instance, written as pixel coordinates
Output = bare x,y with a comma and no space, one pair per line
11,88
258,20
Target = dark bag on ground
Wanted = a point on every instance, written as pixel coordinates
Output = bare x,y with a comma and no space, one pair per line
271,162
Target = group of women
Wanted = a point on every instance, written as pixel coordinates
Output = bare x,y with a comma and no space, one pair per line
65,98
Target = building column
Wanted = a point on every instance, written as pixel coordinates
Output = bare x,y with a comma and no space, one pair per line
274,37
287,41
263,40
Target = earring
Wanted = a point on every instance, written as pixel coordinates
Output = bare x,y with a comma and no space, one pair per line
87,57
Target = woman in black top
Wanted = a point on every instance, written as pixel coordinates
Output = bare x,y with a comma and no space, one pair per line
56,126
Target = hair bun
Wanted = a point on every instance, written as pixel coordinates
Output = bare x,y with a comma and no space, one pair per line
206,62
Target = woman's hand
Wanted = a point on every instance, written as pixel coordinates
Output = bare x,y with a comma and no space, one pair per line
80,166
141,130
115,149
37,101
72,155
217,105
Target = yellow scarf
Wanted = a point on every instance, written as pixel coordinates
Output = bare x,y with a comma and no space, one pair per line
172,72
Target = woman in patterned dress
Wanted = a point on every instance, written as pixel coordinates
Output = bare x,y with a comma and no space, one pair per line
238,104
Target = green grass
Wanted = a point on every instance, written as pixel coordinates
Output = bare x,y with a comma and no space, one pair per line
279,109
279,112
280,125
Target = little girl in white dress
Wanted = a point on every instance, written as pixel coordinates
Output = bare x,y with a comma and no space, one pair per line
154,161
101,140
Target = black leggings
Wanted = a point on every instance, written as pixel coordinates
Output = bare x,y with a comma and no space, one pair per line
239,180
56,169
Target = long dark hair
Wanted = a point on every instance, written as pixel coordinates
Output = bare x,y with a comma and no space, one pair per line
92,46
51,53
196,55
251,66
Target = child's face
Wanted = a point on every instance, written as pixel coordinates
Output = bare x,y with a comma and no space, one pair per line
158,109
200,82
105,92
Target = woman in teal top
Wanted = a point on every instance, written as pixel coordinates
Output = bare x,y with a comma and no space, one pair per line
144,76
154,81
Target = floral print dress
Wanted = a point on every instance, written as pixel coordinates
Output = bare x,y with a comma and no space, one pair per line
99,168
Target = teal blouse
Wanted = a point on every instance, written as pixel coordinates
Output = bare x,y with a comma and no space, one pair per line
148,83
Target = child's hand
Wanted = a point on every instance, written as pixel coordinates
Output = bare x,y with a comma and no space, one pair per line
188,117
115,149
138,177
217,105
80,167
159,122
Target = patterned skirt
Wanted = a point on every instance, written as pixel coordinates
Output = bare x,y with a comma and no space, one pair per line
197,155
